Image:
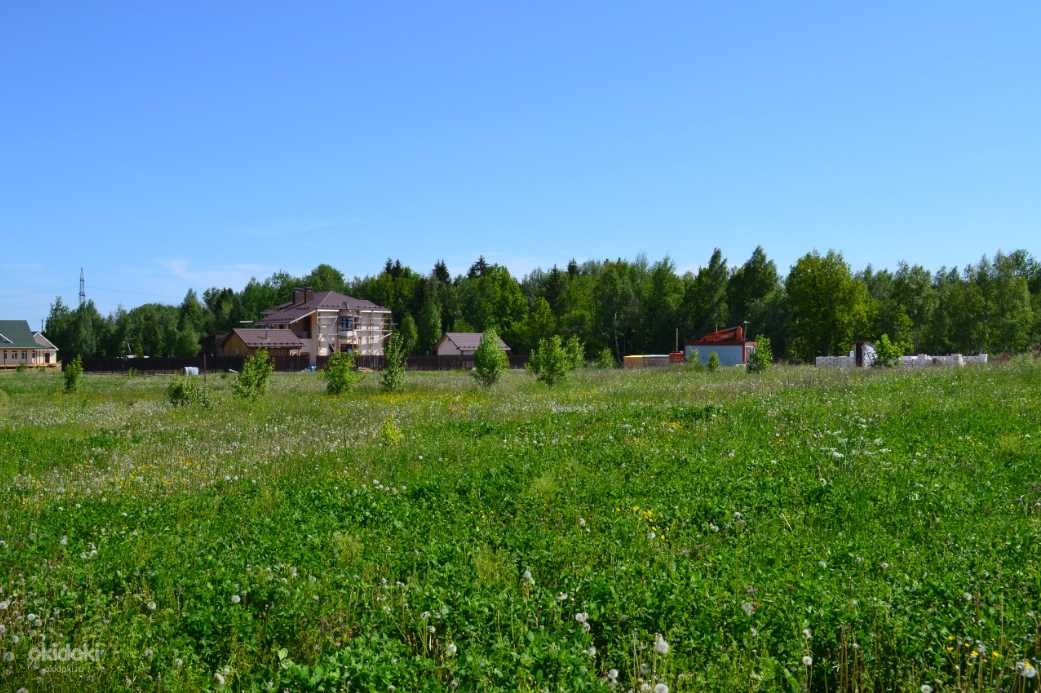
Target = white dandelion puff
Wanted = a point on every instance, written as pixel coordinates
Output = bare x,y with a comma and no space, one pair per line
807,661
661,646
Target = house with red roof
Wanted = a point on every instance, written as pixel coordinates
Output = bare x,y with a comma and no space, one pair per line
729,345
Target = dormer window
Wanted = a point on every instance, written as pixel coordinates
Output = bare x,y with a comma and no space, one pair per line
346,323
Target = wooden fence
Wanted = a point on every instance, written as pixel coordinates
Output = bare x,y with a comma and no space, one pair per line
290,364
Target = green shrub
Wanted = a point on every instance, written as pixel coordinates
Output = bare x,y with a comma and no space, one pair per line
713,361
489,359
252,381
72,372
186,391
605,359
390,433
340,373
694,361
763,356
393,376
550,361
576,352
887,352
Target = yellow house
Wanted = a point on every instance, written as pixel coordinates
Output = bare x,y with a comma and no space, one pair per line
20,346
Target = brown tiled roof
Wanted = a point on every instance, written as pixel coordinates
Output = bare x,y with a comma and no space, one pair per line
469,341
265,337
321,300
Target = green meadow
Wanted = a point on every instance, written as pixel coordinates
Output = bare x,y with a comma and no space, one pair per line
627,530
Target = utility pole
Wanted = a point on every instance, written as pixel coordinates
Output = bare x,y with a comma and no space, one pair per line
83,289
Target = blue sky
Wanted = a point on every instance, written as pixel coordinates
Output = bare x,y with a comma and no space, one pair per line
183,145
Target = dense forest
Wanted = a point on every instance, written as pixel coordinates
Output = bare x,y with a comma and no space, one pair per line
820,307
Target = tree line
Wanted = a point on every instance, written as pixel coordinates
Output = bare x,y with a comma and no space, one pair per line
628,306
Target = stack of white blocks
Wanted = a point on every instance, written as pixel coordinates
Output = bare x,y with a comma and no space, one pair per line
914,361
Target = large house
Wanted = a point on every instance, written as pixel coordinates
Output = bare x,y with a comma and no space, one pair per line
315,323
463,344
20,346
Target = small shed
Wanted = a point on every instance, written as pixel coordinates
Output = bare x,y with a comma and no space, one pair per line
729,345
463,344
243,341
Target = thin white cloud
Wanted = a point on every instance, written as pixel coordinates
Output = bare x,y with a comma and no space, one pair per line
234,275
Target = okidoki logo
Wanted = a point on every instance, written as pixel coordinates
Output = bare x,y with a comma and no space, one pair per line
67,653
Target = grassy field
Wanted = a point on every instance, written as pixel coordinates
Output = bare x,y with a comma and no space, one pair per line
798,530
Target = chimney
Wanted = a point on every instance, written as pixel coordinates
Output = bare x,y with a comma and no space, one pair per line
301,295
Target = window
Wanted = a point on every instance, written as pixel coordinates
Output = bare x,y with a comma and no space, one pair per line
25,355
346,323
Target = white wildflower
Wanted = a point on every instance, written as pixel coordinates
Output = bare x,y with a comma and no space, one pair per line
661,688
451,649
235,599
807,660
926,688
591,651
4,605
582,617
581,522
807,633
748,608
660,644
64,539
219,678
1026,669
612,674
151,606
526,576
